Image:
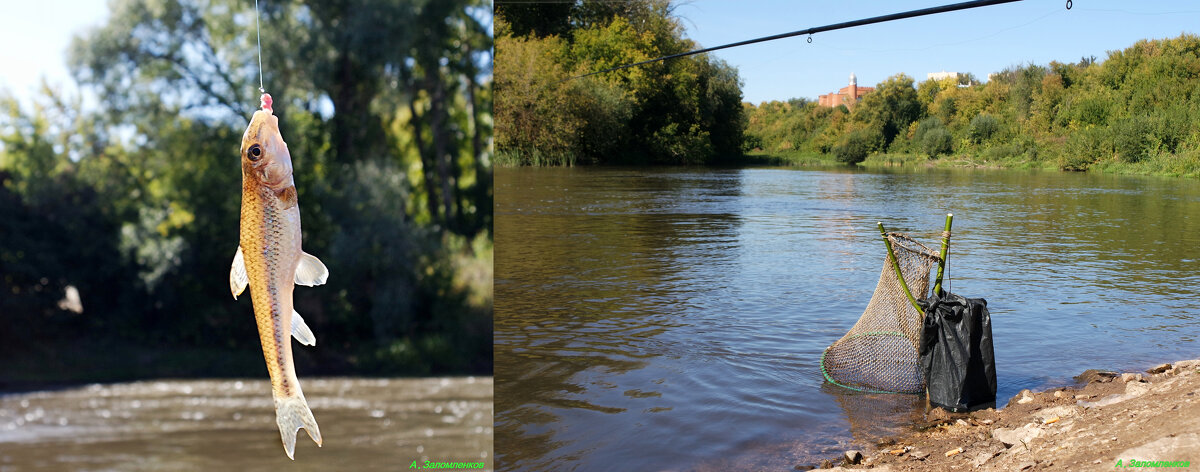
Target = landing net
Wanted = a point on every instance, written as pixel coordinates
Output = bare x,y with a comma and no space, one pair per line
879,354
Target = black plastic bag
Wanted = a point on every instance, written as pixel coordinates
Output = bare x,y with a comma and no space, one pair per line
956,352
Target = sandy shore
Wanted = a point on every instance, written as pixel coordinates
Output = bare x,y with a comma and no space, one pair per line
1112,421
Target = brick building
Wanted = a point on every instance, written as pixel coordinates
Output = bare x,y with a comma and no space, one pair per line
848,95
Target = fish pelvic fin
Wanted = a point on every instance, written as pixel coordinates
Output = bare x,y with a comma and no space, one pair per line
292,413
301,331
238,280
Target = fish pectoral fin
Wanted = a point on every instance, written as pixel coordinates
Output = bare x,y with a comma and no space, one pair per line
301,332
310,272
238,280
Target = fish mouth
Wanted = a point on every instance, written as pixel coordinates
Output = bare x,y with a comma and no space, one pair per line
262,123
274,169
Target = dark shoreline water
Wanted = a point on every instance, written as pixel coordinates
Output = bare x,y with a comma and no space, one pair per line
673,318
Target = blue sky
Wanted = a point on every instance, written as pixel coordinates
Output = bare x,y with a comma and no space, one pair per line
979,41
37,34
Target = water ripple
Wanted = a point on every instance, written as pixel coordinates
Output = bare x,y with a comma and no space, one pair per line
674,318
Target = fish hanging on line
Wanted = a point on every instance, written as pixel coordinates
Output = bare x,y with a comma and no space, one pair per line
270,261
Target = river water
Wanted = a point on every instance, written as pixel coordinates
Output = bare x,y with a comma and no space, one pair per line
229,425
673,319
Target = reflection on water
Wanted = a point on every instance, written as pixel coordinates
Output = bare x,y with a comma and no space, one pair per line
367,424
672,319
871,416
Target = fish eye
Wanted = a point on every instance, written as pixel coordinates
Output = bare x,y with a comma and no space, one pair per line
254,153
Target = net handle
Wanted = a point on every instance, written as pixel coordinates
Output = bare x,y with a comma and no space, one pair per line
937,283
896,268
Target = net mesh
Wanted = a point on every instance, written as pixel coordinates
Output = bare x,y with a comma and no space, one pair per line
879,354
874,416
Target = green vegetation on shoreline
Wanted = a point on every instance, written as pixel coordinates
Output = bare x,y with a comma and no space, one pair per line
789,157
130,205
683,111
1137,112
1164,165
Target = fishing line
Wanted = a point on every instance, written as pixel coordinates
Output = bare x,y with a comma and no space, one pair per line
820,29
258,35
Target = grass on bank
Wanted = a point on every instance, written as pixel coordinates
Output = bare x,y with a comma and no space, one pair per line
808,158
786,158
950,161
1186,164
533,159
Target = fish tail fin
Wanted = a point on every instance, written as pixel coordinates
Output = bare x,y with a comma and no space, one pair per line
292,413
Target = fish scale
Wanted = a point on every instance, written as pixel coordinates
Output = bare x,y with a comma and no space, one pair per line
275,246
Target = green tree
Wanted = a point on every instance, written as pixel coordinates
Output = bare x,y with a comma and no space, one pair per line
983,127
535,20
385,106
936,142
855,146
531,118
682,111
890,108
1136,107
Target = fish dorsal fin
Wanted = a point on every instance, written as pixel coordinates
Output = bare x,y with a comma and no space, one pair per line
310,272
237,275
301,332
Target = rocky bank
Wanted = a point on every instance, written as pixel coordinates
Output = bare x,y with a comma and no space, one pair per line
1109,422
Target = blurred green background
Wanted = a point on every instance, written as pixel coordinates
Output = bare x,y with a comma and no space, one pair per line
128,191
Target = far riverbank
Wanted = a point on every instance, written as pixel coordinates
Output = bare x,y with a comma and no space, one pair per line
1166,166
1162,166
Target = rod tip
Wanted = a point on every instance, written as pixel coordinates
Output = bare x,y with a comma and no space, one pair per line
949,214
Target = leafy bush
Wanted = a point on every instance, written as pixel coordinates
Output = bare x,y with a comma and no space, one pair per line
983,127
1027,146
1173,124
1085,148
937,142
856,145
1000,152
534,104
1132,138
932,138
925,126
606,109
1091,109
751,143
672,145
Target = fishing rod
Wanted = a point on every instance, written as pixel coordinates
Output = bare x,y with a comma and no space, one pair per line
821,29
